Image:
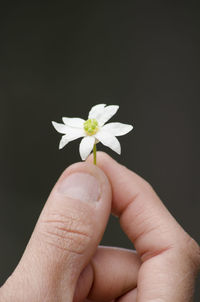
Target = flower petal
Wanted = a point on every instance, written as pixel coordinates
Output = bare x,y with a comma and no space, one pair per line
71,135
86,146
73,122
96,111
107,113
117,129
61,128
108,140
63,142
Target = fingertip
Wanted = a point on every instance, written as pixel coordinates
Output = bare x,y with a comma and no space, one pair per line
103,160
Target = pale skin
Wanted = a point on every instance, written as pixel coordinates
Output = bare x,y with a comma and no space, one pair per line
63,261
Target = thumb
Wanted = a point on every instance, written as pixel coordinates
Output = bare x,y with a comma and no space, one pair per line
66,236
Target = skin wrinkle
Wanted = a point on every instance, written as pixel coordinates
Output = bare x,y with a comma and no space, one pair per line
71,228
72,220
132,199
67,239
62,247
57,216
66,230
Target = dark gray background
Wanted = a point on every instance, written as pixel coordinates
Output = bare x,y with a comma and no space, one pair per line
59,59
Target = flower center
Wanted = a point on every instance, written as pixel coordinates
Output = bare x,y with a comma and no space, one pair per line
91,126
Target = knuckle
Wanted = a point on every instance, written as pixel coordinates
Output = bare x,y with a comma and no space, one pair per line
66,232
147,189
146,186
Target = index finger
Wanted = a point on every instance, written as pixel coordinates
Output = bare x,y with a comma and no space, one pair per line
143,216
170,256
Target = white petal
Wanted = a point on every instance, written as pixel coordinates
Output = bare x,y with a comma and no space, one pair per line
96,111
63,142
117,129
73,122
61,128
107,113
71,135
86,146
108,140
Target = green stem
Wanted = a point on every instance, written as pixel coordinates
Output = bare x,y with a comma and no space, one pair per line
95,154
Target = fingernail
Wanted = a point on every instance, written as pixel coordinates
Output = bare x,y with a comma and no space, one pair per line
82,186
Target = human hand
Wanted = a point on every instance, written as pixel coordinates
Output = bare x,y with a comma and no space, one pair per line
63,262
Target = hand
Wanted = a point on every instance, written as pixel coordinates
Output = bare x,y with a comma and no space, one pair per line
63,262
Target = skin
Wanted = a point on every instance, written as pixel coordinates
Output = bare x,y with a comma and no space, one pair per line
63,261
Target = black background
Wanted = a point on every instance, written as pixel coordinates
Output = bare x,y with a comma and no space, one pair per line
59,59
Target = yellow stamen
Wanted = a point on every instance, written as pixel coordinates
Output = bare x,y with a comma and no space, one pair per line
91,126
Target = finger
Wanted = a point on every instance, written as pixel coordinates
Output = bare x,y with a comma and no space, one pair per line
111,273
66,236
142,215
166,250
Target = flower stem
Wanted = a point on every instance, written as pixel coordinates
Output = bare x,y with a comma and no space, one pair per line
95,154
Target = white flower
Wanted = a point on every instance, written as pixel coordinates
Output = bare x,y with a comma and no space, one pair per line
93,130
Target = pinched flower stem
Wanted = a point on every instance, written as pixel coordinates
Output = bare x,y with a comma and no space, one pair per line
95,154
